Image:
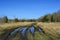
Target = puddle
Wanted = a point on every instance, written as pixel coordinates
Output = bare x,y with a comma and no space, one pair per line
23,30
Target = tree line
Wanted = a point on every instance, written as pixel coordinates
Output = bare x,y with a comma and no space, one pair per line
54,17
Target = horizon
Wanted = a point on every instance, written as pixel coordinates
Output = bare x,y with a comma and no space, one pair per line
28,9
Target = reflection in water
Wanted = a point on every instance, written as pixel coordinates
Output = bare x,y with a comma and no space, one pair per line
31,30
15,31
23,30
39,30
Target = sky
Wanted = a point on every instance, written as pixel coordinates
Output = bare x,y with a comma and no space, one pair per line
28,9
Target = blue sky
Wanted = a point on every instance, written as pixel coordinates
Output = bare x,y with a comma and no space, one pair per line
28,9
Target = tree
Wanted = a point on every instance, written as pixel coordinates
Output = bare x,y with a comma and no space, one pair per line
52,18
5,19
45,19
16,20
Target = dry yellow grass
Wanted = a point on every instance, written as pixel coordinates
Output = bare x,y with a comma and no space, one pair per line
52,26
51,29
45,26
12,25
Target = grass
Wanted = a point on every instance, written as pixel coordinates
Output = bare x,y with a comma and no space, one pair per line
52,30
12,25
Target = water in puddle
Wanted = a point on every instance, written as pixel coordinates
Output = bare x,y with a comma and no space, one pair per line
31,30
14,31
23,30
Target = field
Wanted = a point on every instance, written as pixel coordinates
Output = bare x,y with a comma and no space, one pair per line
52,30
